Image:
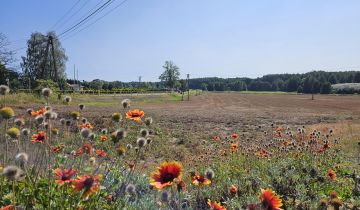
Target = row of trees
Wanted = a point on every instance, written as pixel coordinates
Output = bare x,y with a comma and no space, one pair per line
45,60
311,82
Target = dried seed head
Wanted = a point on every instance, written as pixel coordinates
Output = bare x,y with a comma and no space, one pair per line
28,111
148,121
46,92
84,120
4,89
85,133
116,117
39,119
68,122
46,125
54,115
144,132
104,131
210,174
12,173
25,131
67,99
47,115
141,142
165,197
118,135
92,136
21,159
62,121
92,161
130,189
19,122
128,146
81,106
126,103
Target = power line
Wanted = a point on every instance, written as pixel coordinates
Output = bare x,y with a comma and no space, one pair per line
66,13
74,34
76,12
86,18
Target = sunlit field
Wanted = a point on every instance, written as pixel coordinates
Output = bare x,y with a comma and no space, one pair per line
155,151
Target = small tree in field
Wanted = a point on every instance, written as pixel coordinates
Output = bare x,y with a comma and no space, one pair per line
170,75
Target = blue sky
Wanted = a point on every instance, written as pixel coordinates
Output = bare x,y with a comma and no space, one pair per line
224,38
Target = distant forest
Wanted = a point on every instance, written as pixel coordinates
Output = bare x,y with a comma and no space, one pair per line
311,82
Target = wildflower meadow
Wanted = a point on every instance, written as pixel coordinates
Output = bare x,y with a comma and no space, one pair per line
58,157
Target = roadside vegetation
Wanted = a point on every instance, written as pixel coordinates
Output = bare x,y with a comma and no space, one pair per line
57,157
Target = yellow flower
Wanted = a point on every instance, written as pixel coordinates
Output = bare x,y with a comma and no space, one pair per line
13,133
7,113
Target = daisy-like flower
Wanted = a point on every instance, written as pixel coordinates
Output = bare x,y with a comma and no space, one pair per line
58,148
331,174
165,175
233,190
87,149
86,125
199,180
39,137
78,152
233,147
89,183
215,205
64,176
8,207
216,138
135,114
103,138
269,200
234,136
100,153
41,111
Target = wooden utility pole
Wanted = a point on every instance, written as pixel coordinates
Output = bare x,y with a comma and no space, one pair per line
188,88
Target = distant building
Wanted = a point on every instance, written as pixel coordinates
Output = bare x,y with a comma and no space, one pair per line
76,87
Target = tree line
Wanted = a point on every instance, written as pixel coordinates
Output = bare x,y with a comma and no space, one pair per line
45,59
311,82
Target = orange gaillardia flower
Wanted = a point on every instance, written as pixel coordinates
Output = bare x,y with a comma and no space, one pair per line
233,147
87,148
135,115
217,138
233,190
215,205
8,207
38,112
270,200
39,137
86,125
57,149
100,153
103,138
166,174
64,176
331,174
199,180
234,136
89,183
